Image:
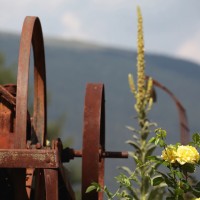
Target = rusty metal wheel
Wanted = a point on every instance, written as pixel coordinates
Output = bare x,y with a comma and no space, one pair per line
93,140
31,36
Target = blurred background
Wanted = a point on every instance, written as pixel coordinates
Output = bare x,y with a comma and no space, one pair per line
95,41
171,27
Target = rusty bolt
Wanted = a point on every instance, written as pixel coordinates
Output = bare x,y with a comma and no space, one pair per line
38,146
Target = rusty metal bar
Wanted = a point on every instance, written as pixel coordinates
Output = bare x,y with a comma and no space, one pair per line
25,158
106,154
112,154
51,184
7,95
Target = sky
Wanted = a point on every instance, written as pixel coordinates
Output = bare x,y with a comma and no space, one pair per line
171,27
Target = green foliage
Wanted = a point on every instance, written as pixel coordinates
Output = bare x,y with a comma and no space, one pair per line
177,178
196,139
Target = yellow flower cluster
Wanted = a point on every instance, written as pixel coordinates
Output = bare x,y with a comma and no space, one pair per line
183,154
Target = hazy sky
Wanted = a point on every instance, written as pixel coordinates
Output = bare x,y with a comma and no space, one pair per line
171,27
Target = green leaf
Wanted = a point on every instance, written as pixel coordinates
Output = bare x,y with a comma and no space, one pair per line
157,180
126,169
108,193
130,128
179,174
179,191
150,150
155,158
185,185
188,168
161,133
152,140
91,188
196,139
134,144
162,143
157,141
132,154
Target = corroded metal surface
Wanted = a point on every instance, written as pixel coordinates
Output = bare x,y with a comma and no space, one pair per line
51,184
31,34
93,140
7,116
25,158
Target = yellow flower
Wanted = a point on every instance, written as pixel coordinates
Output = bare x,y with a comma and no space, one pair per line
169,154
197,199
187,154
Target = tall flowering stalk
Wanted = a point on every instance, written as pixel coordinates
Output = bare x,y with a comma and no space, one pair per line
144,89
135,184
142,148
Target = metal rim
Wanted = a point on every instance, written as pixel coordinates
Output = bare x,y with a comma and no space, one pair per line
31,34
93,139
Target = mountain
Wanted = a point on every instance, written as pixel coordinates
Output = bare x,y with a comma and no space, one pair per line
71,65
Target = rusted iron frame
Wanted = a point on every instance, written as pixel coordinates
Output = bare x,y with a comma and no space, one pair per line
183,122
43,161
29,158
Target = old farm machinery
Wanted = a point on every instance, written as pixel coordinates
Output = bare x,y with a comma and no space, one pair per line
31,170
28,168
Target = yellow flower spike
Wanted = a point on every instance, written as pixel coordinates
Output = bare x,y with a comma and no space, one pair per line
131,84
140,62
